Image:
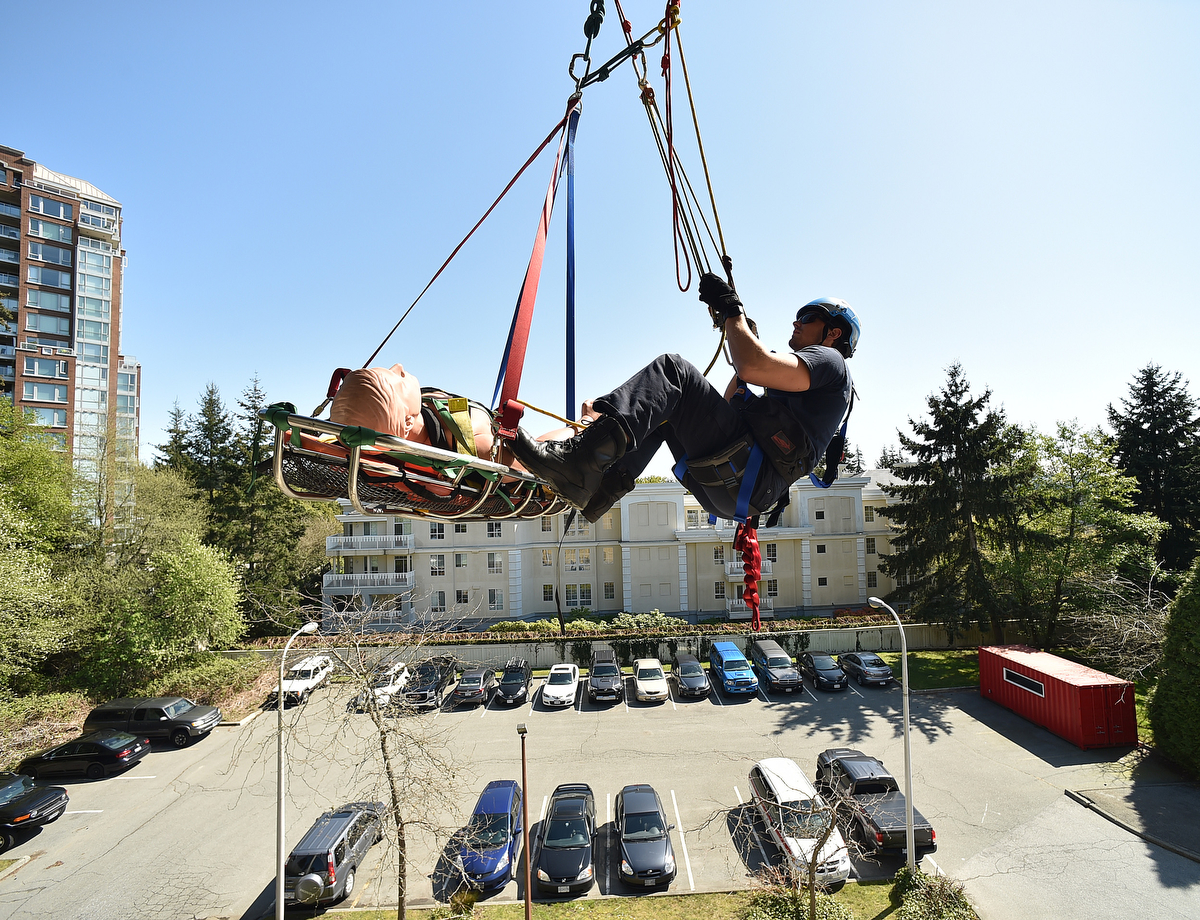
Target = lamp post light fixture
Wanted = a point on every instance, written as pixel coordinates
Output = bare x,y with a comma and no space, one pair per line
306,629
910,839
522,731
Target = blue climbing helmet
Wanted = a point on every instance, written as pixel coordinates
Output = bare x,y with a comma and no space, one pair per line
837,313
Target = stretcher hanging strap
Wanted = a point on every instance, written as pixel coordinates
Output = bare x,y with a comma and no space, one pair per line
569,166
455,414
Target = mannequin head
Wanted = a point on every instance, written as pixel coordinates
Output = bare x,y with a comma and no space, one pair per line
385,399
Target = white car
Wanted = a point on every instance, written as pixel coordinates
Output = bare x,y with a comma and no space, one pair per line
650,681
796,817
386,686
561,685
305,677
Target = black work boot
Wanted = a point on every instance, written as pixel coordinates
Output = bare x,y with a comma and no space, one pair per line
617,482
574,468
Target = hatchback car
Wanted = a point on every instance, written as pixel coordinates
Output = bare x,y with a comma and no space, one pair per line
691,680
514,682
649,681
321,868
866,668
488,850
22,805
387,684
561,686
94,755
605,680
647,857
823,671
475,688
564,862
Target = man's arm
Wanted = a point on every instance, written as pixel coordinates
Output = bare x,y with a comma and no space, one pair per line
756,365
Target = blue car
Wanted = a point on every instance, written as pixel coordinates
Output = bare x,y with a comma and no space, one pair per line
488,850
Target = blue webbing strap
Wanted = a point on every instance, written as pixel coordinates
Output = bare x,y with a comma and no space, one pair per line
749,477
812,477
680,468
569,166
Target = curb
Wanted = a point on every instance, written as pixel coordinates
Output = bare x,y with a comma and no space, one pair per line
974,687
1149,838
14,867
253,715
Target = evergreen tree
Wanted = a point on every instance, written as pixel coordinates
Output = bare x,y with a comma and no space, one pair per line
1177,697
174,454
959,482
889,458
1157,435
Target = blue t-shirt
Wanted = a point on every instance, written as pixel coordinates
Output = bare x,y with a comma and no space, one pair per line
821,408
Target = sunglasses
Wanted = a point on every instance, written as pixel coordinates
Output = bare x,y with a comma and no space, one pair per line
811,317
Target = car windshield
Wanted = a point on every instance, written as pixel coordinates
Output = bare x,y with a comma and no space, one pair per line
691,669
800,821
561,677
736,664
566,832
426,672
605,670
472,682
650,674
116,741
644,826
824,663
779,662
513,677
15,788
486,831
299,674
178,708
386,680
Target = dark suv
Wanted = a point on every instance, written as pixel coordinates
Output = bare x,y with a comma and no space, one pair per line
321,867
429,682
605,680
172,717
514,682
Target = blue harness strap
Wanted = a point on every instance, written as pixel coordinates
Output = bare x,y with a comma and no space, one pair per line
749,478
679,470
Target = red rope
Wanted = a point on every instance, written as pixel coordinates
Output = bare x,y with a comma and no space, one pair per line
746,542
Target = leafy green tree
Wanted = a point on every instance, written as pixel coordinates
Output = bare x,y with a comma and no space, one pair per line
959,483
1177,697
1157,433
36,480
165,509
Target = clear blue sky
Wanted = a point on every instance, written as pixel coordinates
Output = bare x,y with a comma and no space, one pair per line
1009,185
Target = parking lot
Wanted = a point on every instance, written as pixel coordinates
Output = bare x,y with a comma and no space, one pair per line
190,833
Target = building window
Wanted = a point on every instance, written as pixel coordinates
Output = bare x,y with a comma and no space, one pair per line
47,300
51,208
607,521
49,231
50,277
461,596
610,591
55,255
822,582
437,601
719,554
585,595
93,331
772,587
819,515
45,367
547,524
547,557
495,599
45,392
872,579
460,560
401,528
495,563
868,513
719,590
692,518
870,546
548,592
460,527
578,560
579,528
495,529
769,552
400,565
51,418
437,531
572,596
610,555
820,548
437,564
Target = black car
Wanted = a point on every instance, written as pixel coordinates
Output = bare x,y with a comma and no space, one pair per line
475,688
822,670
691,680
94,755
429,682
22,804
866,668
322,866
605,680
514,682
647,857
564,863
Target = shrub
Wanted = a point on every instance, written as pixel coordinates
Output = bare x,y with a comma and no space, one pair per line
782,902
647,622
208,679
1177,698
929,897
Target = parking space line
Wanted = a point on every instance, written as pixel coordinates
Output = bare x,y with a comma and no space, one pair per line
852,690
715,692
753,829
810,693
135,777
85,811
608,862
683,843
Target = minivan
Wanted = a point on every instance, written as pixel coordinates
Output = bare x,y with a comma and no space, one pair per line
729,669
774,666
321,867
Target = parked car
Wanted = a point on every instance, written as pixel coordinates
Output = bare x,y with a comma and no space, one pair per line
796,817
774,666
865,667
475,687
514,682
322,866
429,681
303,678
691,680
876,807
172,717
488,851
387,685
605,680
822,670
22,805
94,755
729,669
564,862
561,686
649,681
647,857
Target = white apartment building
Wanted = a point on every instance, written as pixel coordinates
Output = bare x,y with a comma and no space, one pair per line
655,550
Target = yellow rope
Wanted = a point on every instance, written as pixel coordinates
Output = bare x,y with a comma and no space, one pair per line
578,426
699,143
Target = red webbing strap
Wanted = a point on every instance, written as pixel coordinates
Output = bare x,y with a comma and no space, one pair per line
510,410
746,541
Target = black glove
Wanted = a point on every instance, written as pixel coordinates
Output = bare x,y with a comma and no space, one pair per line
722,301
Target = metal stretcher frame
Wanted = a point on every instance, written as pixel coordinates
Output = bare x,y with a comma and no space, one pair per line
485,489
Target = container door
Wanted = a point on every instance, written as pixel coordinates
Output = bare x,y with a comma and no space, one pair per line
1122,714
1093,715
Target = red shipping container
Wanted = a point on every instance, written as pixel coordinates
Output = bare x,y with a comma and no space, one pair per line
1085,706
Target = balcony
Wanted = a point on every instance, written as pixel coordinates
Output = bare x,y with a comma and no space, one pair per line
344,545
738,570
9,210
12,233
8,351
740,610
380,581
7,255
10,280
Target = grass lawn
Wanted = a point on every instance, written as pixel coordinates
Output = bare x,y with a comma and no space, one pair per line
5,863
934,669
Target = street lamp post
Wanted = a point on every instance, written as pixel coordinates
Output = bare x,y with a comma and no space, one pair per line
878,603
306,629
522,731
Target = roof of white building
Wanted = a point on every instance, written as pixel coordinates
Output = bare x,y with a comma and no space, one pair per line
79,186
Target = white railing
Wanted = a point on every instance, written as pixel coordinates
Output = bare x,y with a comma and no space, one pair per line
737,609
738,568
342,544
372,580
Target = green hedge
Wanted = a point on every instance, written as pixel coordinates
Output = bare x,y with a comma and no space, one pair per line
784,903
1176,701
929,897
